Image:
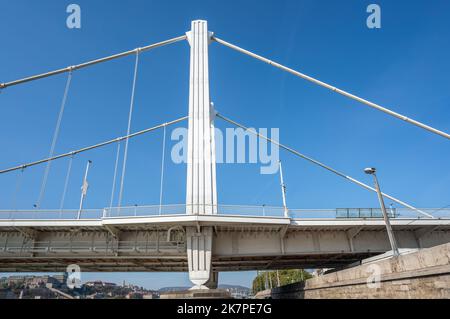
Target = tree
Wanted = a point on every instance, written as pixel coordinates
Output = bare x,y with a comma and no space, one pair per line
269,279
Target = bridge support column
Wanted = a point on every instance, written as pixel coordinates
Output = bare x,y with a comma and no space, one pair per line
201,193
199,247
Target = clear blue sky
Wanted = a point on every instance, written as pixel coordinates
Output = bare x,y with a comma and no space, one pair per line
404,66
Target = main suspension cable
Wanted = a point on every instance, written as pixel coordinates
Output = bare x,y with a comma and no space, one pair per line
93,62
316,162
88,148
334,89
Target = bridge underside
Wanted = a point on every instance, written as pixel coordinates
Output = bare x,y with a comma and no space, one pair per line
177,263
239,243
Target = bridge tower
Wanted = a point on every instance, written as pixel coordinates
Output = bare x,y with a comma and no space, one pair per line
201,192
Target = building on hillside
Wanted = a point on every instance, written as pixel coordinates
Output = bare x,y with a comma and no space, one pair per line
62,279
100,284
17,280
43,281
36,281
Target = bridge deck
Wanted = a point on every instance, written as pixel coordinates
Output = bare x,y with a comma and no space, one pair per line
158,243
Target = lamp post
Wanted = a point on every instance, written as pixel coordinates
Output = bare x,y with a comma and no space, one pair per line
283,191
393,242
84,189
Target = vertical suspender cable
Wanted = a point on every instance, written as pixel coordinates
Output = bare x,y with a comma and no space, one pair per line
130,115
66,185
55,138
162,170
116,166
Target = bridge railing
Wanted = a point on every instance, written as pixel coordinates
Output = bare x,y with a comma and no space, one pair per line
368,213
141,211
364,212
48,214
229,210
274,211
181,209
248,210
436,212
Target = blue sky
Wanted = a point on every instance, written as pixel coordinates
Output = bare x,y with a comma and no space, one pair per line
404,66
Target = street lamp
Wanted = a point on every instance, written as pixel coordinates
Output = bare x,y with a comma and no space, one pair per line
372,171
84,188
283,191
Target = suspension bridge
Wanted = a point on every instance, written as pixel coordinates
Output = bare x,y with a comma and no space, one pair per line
202,236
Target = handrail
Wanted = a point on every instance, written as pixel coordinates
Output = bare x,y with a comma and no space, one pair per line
223,210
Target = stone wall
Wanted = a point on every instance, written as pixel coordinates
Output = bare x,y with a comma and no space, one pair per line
421,274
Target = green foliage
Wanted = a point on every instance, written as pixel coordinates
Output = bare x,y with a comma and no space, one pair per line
270,279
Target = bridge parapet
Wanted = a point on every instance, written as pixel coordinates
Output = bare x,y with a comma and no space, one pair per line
225,210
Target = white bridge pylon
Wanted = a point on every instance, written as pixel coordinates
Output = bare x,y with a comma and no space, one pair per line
201,191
